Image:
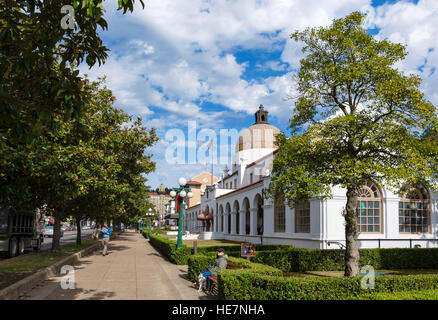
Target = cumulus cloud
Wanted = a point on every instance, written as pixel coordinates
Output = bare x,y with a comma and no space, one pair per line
176,61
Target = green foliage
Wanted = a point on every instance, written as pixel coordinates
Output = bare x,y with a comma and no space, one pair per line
197,263
40,87
154,231
251,286
168,249
301,259
356,118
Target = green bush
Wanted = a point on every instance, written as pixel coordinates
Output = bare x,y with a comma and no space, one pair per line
198,263
251,286
236,249
301,259
168,249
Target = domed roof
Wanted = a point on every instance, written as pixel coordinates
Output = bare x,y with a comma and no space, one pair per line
258,136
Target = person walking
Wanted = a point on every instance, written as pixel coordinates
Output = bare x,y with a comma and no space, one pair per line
106,232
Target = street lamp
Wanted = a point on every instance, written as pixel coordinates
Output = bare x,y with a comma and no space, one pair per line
180,193
149,214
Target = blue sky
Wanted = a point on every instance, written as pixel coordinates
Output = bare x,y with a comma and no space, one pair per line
215,62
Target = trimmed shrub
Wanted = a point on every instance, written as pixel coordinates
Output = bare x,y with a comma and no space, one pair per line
154,231
236,248
250,286
168,249
301,259
198,263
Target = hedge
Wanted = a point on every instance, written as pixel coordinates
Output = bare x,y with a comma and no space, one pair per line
154,231
302,259
198,263
251,286
168,249
236,248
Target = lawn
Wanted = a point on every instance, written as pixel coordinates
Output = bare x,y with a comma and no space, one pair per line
203,243
211,243
15,269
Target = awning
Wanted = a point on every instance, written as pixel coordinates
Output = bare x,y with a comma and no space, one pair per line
205,215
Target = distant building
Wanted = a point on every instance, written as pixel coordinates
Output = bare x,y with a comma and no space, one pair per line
159,200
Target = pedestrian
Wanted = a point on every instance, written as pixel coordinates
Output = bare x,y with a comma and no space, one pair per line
106,232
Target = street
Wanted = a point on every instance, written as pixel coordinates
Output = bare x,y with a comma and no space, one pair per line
69,236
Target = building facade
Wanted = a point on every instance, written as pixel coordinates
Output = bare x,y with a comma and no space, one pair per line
234,207
159,200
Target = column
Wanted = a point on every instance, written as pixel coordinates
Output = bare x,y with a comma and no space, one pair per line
225,228
242,223
253,223
233,222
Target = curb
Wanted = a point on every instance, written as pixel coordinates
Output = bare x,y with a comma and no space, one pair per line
14,291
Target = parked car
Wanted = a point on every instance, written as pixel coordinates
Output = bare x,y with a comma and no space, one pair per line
48,232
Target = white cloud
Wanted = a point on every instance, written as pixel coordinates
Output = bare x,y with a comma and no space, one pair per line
170,57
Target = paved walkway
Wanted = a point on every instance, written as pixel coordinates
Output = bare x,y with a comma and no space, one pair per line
132,270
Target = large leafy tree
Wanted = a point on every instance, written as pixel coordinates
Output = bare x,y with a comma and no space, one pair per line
39,79
356,118
92,165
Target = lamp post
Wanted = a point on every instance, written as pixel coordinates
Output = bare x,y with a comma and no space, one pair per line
180,193
149,214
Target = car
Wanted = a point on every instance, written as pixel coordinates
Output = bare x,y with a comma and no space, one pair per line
64,228
48,232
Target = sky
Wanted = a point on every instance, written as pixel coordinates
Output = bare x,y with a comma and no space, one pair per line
213,62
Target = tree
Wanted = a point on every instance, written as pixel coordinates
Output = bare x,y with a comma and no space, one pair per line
92,165
39,79
356,118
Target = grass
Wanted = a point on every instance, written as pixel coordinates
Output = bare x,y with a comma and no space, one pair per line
211,243
15,269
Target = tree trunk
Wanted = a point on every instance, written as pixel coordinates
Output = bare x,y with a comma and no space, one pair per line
78,232
96,230
56,247
351,250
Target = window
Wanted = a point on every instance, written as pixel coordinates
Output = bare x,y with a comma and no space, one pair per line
413,212
369,213
250,178
302,217
226,185
235,183
279,215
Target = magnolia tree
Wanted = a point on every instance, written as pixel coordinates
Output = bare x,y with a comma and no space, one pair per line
357,118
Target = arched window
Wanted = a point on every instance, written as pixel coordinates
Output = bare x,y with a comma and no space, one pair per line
369,209
279,215
414,213
302,217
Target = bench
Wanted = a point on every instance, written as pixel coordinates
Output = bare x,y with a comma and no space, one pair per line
212,288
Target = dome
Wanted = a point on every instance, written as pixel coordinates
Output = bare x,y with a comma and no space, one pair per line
258,136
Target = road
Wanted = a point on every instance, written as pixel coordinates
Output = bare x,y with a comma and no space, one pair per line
69,236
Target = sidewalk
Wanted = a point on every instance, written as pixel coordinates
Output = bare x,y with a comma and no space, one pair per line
133,270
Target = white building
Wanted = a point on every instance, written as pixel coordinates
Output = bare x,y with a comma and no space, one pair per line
234,207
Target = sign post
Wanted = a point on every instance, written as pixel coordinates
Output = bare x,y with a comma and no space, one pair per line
247,250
